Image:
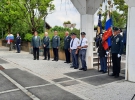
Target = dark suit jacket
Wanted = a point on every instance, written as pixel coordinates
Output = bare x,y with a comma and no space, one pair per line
117,44
36,43
18,40
46,41
55,41
67,42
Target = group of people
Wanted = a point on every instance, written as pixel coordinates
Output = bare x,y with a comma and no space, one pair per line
10,39
72,46
116,50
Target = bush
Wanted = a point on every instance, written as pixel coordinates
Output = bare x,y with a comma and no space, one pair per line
28,37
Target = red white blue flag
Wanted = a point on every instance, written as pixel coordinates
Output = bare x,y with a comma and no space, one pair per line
108,32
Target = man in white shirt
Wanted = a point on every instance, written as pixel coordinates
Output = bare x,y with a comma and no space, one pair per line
82,50
74,43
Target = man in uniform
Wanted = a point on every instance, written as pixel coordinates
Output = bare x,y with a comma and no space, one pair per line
102,53
36,43
18,43
82,51
67,40
46,45
74,50
55,45
116,50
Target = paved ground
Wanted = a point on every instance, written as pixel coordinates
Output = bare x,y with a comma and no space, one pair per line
26,79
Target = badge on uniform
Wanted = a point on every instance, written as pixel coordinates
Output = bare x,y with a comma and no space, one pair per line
117,40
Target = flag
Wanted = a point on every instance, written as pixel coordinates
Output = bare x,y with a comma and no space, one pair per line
108,32
10,37
99,28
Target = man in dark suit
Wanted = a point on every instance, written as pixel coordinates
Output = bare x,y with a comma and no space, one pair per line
46,45
55,45
67,40
18,43
116,50
36,43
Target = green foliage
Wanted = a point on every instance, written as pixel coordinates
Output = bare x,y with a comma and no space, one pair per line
118,19
28,37
59,28
10,12
68,22
35,10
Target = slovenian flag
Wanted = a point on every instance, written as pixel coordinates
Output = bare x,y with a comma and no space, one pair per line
10,37
108,32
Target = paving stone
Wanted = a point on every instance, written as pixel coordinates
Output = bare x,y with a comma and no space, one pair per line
80,74
5,84
100,80
17,95
52,92
69,83
61,79
24,78
2,61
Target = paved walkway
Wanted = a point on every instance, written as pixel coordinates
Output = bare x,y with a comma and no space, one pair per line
26,79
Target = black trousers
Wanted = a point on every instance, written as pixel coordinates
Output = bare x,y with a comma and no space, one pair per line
47,53
55,52
67,54
116,64
36,53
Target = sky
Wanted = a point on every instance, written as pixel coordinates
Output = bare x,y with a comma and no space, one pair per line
65,11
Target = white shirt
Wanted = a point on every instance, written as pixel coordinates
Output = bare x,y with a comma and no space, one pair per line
84,42
75,43
35,37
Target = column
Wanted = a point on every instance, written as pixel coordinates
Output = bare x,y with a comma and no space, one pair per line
130,49
87,25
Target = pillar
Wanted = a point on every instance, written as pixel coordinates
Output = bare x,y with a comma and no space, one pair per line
87,25
130,49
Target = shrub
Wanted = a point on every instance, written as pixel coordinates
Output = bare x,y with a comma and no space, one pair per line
28,37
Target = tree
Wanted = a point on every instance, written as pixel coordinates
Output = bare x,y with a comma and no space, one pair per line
117,18
121,6
35,10
10,12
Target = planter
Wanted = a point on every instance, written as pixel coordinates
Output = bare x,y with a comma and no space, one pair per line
31,51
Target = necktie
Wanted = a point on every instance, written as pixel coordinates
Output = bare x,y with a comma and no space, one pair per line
81,42
72,43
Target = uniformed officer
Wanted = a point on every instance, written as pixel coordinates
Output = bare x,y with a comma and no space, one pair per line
102,53
46,45
116,50
74,43
36,43
82,51
67,40
18,43
55,45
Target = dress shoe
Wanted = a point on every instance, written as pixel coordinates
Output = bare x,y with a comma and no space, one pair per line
44,59
75,68
48,59
116,76
84,69
53,60
34,59
71,66
100,70
37,58
112,74
81,68
104,72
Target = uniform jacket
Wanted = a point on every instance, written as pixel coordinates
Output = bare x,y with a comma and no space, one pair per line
36,43
18,40
46,41
67,42
55,41
101,50
117,44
